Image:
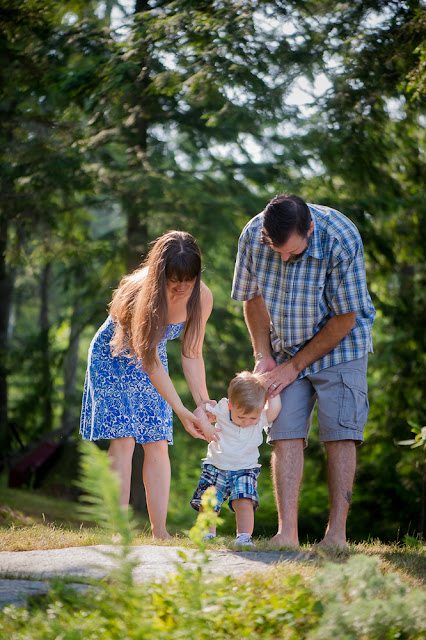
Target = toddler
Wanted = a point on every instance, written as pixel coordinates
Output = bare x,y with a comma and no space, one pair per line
231,465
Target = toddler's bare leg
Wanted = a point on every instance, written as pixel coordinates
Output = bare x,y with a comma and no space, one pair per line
244,514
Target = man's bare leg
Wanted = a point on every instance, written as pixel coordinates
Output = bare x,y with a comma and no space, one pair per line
287,473
341,465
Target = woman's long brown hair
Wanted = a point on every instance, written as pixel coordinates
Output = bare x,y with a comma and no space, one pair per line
139,305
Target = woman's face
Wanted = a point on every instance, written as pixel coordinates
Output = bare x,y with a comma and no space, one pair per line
180,288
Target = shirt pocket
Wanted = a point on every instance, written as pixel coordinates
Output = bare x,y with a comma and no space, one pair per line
354,404
306,315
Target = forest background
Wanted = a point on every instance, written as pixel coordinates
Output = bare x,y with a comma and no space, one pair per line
120,122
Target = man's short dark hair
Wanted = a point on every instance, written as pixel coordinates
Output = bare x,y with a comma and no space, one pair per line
284,215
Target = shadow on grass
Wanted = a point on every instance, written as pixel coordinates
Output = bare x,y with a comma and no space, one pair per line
411,561
400,558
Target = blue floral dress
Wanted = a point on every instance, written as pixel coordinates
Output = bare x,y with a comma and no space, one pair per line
119,399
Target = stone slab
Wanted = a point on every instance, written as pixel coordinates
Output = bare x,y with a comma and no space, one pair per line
26,573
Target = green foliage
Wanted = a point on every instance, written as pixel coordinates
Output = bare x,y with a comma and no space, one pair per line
353,600
48,195
102,493
102,505
360,602
185,119
206,518
186,605
419,441
420,438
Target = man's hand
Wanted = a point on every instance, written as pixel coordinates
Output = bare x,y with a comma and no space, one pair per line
280,377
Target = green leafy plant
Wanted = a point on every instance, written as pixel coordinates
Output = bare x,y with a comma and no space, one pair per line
206,518
359,601
419,439
101,504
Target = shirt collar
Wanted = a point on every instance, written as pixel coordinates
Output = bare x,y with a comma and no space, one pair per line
314,248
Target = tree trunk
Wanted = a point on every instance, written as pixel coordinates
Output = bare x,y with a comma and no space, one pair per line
423,515
46,386
6,289
69,419
137,240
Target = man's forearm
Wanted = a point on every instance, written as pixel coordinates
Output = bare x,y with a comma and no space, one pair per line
258,323
328,337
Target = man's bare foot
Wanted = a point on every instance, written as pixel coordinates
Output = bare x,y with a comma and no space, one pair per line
330,543
281,540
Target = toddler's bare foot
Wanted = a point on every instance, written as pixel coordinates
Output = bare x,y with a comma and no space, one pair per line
281,540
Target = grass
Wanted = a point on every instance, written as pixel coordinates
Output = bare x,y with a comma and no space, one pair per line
22,507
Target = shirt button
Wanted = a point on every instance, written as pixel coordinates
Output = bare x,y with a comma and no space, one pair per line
287,291
320,288
284,316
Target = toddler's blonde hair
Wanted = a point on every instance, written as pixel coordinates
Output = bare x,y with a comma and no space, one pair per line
248,391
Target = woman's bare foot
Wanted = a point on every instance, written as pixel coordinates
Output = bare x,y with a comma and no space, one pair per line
116,538
161,535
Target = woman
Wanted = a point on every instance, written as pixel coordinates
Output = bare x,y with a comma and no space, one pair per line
128,394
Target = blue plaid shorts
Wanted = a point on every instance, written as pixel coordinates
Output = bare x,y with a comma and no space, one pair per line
228,484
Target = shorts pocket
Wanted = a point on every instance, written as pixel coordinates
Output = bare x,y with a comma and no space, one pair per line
354,404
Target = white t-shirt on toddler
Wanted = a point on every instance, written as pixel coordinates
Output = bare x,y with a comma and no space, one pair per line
238,447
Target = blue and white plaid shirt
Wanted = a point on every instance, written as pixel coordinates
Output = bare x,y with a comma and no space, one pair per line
301,295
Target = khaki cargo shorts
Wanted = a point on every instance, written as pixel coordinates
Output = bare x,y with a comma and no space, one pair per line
340,393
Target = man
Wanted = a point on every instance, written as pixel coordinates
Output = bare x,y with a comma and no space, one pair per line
300,273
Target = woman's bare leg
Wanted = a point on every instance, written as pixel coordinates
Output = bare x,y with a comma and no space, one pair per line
121,452
156,478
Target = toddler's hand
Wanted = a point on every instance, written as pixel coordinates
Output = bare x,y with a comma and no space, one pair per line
210,416
209,432
265,365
